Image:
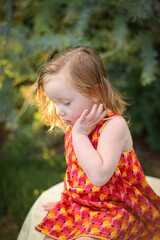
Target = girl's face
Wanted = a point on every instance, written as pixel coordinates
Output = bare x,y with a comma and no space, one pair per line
68,102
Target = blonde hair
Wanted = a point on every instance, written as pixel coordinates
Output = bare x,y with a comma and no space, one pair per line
88,76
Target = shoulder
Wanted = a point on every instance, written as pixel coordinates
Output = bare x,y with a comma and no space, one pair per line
116,130
115,123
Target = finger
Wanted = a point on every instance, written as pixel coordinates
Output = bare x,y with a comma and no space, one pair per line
84,115
99,110
96,112
46,209
48,204
93,112
103,114
100,113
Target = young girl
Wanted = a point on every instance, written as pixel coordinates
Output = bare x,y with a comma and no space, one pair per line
106,194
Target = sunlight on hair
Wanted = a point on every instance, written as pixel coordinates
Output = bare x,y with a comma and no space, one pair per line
88,77
50,108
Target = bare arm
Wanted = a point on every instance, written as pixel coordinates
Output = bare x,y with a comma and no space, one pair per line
99,165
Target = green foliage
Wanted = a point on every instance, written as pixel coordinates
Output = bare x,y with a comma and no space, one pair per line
26,170
29,167
21,182
125,33
149,61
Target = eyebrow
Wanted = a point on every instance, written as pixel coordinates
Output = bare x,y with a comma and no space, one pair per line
63,99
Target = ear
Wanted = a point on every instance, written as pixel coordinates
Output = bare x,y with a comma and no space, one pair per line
95,100
95,94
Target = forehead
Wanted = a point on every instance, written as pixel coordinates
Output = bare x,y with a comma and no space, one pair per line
58,86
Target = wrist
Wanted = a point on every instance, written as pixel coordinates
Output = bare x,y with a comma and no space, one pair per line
76,134
79,132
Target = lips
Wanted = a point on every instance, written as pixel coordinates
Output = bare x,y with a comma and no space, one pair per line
67,122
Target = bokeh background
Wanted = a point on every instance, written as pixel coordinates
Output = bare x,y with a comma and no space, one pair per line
126,34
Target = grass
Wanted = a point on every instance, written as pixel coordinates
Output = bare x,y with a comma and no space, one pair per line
21,184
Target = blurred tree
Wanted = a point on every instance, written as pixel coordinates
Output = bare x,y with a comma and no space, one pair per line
124,32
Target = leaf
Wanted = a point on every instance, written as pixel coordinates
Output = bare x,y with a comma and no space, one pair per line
149,62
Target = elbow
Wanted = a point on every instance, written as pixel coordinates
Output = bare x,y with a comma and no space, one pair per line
101,176
99,181
98,184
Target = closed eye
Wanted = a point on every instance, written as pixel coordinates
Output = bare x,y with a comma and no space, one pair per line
67,103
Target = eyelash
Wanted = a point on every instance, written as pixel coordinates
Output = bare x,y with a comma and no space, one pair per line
67,103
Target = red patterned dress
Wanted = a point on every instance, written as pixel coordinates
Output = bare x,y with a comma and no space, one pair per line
125,208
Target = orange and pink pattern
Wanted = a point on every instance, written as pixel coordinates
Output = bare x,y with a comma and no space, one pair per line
124,208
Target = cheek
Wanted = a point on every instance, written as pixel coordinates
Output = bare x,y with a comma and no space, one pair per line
78,108
76,112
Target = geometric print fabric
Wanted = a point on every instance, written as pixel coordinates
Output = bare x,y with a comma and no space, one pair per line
124,208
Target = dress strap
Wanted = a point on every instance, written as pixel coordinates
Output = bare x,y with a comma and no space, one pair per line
109,116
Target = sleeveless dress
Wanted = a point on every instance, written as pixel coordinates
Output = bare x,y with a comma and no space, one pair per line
124,208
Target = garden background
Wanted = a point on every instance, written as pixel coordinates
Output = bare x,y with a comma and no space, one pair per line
126,34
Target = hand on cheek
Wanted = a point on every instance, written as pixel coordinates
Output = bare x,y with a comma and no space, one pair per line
88,120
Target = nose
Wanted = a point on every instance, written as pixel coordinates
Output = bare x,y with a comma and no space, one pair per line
59,111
